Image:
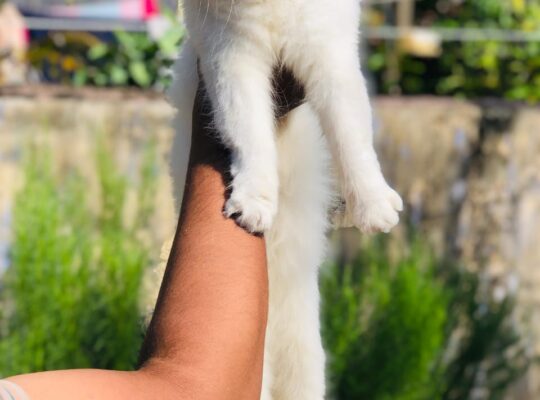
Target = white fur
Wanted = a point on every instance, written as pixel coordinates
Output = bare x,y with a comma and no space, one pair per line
281,173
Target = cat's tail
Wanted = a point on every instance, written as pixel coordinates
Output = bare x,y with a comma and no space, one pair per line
182,96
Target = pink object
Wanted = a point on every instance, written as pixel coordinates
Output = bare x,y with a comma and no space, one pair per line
151,9
132,9
14,35
26,36
123,9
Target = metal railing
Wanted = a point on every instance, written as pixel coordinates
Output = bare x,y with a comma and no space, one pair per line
455,34
83,24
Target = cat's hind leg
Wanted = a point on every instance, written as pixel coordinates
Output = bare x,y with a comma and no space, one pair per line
268,375
296,248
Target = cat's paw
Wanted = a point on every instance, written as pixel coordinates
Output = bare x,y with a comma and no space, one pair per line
377,210
253,206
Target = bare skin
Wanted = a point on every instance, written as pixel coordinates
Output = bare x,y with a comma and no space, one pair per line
206,340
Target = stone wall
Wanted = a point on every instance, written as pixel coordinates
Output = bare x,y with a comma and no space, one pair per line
471,176
470,173
69,129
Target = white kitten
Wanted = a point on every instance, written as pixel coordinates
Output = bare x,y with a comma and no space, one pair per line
281,173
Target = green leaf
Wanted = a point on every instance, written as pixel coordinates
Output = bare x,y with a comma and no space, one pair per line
132,44
139,73
80,77
170,41
118,75
101,79
98,51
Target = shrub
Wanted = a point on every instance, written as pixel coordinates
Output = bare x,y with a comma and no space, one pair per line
71,293
416,328
118,59
135,59
471,68
383,325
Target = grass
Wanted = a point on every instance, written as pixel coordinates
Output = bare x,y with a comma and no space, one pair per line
383,320
416,327
71,295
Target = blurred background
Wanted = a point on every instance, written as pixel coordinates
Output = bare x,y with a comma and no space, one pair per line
446,307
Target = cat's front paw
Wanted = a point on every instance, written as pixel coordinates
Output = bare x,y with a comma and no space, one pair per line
377,210
253,204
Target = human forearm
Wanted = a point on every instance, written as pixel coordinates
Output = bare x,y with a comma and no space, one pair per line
216,291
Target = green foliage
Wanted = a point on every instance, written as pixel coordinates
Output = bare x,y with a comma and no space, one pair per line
471,68
383,325
131,59
415,328
70,297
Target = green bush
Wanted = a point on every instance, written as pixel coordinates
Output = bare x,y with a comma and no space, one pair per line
134,59
484,68
416,328
383,325
127,59
71,294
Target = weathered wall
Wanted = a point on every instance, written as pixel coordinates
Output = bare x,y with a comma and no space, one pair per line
69,129
471,176
470,173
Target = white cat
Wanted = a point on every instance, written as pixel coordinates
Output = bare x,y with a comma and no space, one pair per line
282,184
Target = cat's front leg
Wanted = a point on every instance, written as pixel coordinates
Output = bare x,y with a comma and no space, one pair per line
336,88
238,83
